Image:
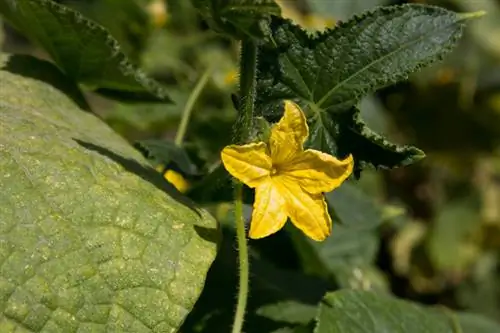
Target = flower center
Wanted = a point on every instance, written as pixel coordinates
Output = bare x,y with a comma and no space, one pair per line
274,170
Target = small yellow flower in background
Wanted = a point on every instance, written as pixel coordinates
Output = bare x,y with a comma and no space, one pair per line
231,77
288,180
174,178
157,10
177,180
310,21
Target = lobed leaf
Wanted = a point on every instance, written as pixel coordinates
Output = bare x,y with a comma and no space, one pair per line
328,73
238,18
92,239
355,137
82,49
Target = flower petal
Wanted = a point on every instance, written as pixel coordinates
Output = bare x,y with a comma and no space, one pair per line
249,163
269,211
289,134
317,172
308,212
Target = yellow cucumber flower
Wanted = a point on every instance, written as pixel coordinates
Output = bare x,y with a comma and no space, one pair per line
174,178
288,180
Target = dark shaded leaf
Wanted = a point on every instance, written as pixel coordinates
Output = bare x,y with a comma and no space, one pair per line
214,310
84,50
166,152
238,18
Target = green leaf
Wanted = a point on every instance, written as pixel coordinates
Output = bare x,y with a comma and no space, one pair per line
24,65
353,207
349,311
238,18
92,239
473,323
166,152
126,20
354,137
480,292
328,73
343,257
291,312
214,312
353,244
485,30
450,247
84,50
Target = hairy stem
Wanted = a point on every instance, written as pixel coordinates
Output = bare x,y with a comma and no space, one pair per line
248,72
243,259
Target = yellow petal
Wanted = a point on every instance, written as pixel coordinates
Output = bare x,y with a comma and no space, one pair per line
269,211
177,180
289,134
308,212
248,163
317,172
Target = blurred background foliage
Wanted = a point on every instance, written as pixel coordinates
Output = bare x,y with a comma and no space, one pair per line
429,232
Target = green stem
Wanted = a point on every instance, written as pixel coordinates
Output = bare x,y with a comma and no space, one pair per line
248,73
243,259
188,108
248,83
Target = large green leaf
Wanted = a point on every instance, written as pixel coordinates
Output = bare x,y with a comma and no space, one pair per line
84,50
238,18
328,73
91,238
348,311
473,323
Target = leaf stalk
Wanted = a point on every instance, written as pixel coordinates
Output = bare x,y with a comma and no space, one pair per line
188,108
